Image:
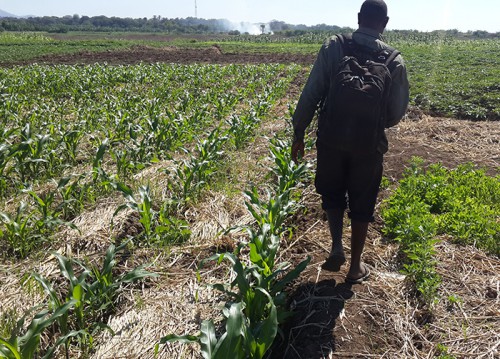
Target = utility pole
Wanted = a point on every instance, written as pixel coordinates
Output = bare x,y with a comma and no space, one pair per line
195,9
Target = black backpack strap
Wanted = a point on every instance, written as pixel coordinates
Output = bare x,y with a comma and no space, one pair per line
387,56
346,42
392,57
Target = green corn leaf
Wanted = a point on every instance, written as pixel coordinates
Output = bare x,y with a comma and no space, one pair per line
47,287
267,330
231,343
62,340
241,280
63,182
136,274
124,189
255,256
290,276
30,340
109,260
100,152
179,338
66,267
78,294
208,339
12,351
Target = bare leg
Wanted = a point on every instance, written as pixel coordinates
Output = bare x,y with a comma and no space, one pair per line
336,257
358,238
336,223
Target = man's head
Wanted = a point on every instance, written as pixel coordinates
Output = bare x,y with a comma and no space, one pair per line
373,14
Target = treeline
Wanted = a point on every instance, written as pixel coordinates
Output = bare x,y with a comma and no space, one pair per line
188,25
104,23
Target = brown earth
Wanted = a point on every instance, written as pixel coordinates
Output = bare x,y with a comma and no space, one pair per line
378,318
169,54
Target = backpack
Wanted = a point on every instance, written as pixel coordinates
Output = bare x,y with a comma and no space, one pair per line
353,113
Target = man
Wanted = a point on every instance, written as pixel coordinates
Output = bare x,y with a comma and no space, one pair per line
345,179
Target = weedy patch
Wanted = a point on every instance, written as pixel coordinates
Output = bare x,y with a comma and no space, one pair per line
463,203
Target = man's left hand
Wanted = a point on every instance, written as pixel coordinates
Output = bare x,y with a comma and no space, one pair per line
297,150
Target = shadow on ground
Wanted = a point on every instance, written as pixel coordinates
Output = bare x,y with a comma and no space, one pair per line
309,334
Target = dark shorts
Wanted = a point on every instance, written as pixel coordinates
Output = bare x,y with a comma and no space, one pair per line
349,181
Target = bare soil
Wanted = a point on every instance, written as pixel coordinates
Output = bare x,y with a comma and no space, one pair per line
168,54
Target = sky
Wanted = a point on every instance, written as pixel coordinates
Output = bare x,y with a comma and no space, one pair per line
422,15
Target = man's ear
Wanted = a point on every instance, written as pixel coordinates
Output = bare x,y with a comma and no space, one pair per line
386,21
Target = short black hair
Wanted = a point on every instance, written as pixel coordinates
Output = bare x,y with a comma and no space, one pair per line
374,10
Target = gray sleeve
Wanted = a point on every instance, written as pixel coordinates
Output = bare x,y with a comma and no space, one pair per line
399,95
314,91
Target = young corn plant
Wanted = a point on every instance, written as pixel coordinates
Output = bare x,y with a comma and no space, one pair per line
191,175
26,346
159,227
241,128
124,164
141,204
18,231
70,139
104,285
170,228
252,315
7,152
29,154
88,296
98,172
31,226
257,298
47,212
287,172
73,195
270,216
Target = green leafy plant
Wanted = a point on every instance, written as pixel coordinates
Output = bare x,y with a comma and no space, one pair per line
463,203
141,204
252,316
257,293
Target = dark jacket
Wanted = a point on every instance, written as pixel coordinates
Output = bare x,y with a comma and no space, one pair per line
327,61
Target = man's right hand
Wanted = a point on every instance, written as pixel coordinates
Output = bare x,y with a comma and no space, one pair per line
297,150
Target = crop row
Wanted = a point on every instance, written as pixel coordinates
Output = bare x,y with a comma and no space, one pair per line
88,128
448,76
80,309
256,298
184,115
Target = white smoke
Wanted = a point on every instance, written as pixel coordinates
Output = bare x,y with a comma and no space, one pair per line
246,27
252,29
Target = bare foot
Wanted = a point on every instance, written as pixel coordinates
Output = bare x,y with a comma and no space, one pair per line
334,262
359,275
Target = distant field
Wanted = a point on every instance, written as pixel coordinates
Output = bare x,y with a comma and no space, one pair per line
448,77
